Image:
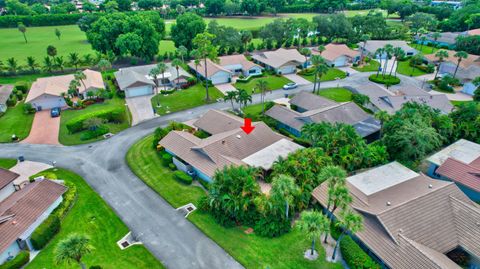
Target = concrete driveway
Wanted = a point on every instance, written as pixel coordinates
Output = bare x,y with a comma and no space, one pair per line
297,79
26,169
44,129
140,108
224,88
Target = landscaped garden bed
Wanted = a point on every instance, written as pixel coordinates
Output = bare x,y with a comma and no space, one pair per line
388,80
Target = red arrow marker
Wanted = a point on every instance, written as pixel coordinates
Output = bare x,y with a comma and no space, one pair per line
247,126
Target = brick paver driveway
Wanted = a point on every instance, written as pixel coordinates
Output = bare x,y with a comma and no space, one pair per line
44,129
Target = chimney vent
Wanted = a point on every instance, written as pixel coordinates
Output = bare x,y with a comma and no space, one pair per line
388,203
239,136
430,186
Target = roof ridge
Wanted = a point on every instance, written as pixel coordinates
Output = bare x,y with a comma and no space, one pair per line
416,246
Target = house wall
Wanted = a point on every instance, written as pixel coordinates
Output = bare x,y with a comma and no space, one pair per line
12,250
6,191
46,102
198,173
220,77
234,68
180,166
339,61
3,107
287,69
138,91
472,194
291,130
256,70
469,88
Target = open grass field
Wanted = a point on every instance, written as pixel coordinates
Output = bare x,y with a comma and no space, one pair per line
250,250
74,139
15,121
184,99
7,163
274,83
336,94
90,215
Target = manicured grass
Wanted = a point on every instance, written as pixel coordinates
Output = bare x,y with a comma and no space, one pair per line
387,79
274,83
425,49
166,46
251,250
372,66
336,94
7,163
23,78
404,68
253,110
74,139
15,121
90,215
332,74
184,99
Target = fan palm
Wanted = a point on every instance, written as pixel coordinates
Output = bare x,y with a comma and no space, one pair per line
284,189
32,63
441,55
182,52
73,249
162,68
313,224
459,55
177,63
154,72
349,222
262,86
104,64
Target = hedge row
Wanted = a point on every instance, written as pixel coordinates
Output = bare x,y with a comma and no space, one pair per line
45,232
247,79
354,256
387,80
182,177
111,115
91,134
20,260
10,21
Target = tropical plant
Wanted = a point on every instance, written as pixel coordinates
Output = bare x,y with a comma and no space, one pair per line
59,63
51,51
32,63
182,51
246,36
12,65
313,224
284,190
104,64
230,96
58,33
388,49
73,87
306,52
319,68
203,43
72,249
459,55
243,98
23,30
80,76
87,59
176,63
348,222
74,59
379,52
263,88
364,38
435,36
154,72
441,55
414,61
399,53
162,68
48,64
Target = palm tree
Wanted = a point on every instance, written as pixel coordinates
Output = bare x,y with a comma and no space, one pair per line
246,36
162,68
12,65
321,48
243,97
23,30
262,86
313,224
177,63
398,53
74,60
104,64
80,76
230,96
48,64
73,87
154,72
195,54
415,60
32,63
58,33
388,51
459,55
349,222
364,38
379,52
59,63
51,51
316,61
87,59
306,53
319,68
284,189
73,249
441,55
182,52
206,50
435,36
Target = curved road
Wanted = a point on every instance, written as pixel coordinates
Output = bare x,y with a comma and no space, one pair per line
175,241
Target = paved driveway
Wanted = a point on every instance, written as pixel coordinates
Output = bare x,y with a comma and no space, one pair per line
44,129
140,108
26,169
224,88
297,79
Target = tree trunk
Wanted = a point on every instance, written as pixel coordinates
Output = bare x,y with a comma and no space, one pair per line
177,75
163,80
456,68
330,218
319,83
393,65
312,250
315,82
336,246
438,70
286,209
231,102
25,37
207,97
385,67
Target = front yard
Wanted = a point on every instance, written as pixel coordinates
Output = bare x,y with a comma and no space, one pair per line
332,74
184,99
275,82
90,215
336,94
251,251
15,121
371,66
7,163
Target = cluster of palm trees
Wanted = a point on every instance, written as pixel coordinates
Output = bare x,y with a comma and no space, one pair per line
441,55
388,51
161,68
240,96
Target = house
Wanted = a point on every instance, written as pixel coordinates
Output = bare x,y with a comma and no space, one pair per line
473,32
392,101
338,55
468,69
460,163
228,145
446,39
371,47
216,73
5,92
22,211
311,108
453,4
411,220
282,61
136,80
46,93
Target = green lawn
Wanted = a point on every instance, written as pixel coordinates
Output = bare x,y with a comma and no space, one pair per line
336,94
250,250
166,46
274,82
424,49
372,66
332,74
253,110
23,78
15,121
7,163
90,215
404,68
74,139
184,99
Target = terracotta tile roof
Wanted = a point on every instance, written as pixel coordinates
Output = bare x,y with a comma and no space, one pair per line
59,84
333,51
280,57
474,32
471,60
461,173
6,177
25,207
425,219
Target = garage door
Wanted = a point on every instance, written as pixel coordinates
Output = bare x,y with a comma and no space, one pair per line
45,102
288,69
139,91
220,78
340,61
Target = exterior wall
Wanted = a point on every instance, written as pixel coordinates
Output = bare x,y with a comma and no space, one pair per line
291,130
180,166
472,194
288,69
340,61
6,191
198,173
256,70
3,107
469,88
12,250
139,91
220,77
45,102
235,68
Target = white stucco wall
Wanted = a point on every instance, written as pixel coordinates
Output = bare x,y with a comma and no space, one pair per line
6,191
46,102
12,250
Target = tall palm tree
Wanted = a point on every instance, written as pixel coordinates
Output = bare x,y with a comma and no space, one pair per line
230,96
182,52
177,63
51,51
203,43
398,53
59,63
12,65
379,52
306,52
32,63
284,189
459,55
74,60
349,222
73,249
415,60
23,30
104,64
48,64
162,68
246,36
388,51
243,98
313,224
154,72
80,76
195,54
319,69
87,59
364,38
441,55
262,86
435,36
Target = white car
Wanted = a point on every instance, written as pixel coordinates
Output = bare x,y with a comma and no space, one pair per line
290,86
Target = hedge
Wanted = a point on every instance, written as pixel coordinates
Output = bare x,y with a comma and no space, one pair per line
45,232
12,21
75,125
247,79
20,260
91,134
354,256
21,86
387,80
166,159
182,177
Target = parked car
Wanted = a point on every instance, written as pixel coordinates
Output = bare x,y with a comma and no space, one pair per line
290,86
55,112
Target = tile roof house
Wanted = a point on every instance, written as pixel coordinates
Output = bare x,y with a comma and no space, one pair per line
46,92
311,108
227,145
23,211
5,92
372,46
282,61
446,39
474,32
460,163
136,80
409,219
338,55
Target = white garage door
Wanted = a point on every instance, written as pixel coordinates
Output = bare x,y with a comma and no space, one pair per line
220,78
340,61
139,91
45,102
288,69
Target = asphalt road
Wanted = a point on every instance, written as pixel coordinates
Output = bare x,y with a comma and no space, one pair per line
176,242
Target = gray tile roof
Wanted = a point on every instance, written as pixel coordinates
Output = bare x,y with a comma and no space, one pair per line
5,91
139,75
216,121
310,101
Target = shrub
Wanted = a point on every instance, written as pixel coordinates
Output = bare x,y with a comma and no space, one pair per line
12,101
247,79
387,80
45,232
354,256
111,115
360,99
28,108
167,159
201,134
21,86
68,199
91,134
272,226
172,166
205,184
22,258
182,177
95,267
19,95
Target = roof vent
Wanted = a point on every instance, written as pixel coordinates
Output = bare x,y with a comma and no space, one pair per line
223,142
430,186
239,136
388,203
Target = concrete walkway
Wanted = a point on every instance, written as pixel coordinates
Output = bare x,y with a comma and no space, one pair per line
297,79
226,87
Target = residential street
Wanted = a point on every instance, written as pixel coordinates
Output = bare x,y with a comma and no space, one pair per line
172,239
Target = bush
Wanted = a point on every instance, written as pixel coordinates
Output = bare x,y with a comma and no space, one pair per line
272,226
68,199
172,166
19,95
182,177
91,134
12,101
95,267
166,159
247,79
387,80
201,134
205,184
22,258
45,232
354,256
28,108
21,86
110,115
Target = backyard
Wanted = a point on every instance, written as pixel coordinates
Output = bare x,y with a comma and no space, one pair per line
15,121
183,99
275,82
332,74
250,250
90,215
